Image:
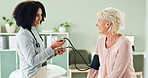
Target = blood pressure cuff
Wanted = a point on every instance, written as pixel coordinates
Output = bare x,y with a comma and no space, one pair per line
95,62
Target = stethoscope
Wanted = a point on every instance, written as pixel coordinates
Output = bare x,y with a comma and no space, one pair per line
94,64
37,44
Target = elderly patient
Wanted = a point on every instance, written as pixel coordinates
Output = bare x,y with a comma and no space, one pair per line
114,50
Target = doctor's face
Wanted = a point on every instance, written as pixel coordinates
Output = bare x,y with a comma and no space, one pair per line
38,18
102,25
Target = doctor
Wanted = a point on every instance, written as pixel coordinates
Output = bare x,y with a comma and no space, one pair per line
30,48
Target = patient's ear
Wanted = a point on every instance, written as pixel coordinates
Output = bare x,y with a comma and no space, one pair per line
108,24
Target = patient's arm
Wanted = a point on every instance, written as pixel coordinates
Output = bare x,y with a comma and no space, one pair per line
93,72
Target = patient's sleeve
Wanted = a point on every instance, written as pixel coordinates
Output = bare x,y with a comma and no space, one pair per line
92,73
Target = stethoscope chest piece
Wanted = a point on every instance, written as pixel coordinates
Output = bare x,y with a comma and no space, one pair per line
37,45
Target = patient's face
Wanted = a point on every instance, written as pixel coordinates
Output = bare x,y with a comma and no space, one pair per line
101,24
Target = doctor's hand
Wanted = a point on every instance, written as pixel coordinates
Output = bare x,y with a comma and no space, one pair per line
60,50
58,43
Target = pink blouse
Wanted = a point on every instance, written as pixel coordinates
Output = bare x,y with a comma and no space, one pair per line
116,62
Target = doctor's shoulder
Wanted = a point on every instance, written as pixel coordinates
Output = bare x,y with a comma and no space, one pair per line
23,34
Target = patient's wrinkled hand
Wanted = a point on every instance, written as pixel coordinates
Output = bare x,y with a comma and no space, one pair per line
59,50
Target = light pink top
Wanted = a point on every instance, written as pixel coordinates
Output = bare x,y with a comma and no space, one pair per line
117,61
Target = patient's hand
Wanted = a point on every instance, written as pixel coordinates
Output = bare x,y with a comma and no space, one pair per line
59,50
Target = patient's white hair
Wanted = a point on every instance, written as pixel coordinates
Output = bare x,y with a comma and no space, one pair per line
113,15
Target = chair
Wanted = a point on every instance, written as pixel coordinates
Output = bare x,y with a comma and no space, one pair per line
138,65
139,74
79,62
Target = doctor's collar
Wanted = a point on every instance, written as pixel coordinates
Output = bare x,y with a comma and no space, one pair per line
33,27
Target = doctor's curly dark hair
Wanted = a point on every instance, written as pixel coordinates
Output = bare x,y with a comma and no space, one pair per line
25,13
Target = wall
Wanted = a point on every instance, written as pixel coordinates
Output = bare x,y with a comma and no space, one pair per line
82,16
6,9
146,45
